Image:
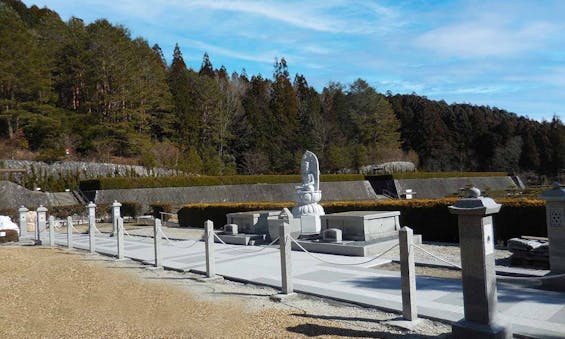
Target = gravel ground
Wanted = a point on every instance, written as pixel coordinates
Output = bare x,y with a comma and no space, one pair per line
55,293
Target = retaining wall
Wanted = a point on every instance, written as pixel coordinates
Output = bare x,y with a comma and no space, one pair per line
340,190
443,187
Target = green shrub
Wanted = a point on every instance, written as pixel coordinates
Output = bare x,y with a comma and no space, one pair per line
11,236
158,207
428,217
130,209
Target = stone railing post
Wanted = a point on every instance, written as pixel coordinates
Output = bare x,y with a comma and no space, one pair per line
286,260
476,241
115,215
40,223
407,274
23,221
157,242
120,237
91,213
555,220
209,242
69,232
51,231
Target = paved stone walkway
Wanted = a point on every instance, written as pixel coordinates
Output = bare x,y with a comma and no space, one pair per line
532,312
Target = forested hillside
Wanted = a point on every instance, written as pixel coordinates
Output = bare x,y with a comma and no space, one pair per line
92,92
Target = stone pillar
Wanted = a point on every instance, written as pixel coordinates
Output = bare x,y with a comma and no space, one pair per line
407,274
69,232
91,212
209,241
555,220
477,260
115,215
286,262
52,231
120,237
23,221
157,242
40,223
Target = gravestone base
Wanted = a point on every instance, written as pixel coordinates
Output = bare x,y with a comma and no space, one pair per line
241,238
466,329
353,248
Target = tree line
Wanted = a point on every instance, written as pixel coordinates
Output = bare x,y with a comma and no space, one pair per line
72,90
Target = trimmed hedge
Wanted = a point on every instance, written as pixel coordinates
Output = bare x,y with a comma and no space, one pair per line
429,175
130,209
158,207
187,181
429,217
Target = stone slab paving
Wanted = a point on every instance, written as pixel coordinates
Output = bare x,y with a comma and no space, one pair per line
532,312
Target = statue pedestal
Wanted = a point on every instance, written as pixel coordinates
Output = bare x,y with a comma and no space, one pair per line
310,224
308,211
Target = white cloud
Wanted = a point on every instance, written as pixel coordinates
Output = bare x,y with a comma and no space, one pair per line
263,57
328,16
480,39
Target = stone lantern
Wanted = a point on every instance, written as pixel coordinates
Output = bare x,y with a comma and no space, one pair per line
555,219
476,240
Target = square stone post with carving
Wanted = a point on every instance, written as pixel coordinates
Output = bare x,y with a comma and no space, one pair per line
40,223
555,219
115,215
91,212
23,221
477,260
69,232
407,274
51,231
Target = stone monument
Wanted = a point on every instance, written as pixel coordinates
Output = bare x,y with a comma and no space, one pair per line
308,195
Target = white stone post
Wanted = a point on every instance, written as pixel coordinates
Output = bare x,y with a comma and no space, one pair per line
69,232
40,223
476,241
115,215
51,231
209,241
120,237
555,220
23,221
157,241
286,262
91,212
407,274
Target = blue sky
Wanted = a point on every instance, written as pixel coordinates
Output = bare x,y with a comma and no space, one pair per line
507,53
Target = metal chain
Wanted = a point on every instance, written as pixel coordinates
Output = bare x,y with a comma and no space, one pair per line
247,251
436,257
342,264
175,245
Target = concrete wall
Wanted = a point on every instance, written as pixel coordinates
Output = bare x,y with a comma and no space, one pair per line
442,187
342,190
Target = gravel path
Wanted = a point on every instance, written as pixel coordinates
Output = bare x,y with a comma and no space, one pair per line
56,293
